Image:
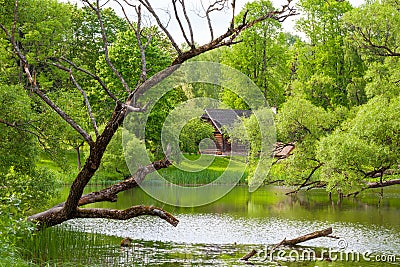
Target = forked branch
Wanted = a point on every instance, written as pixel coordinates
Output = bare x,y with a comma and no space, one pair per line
127,214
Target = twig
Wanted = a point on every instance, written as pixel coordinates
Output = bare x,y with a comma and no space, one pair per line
105,45
97,78
148,6
89,108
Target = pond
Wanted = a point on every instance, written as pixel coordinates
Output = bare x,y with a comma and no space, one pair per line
220,233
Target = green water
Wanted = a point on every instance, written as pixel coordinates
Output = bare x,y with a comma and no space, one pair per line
220,233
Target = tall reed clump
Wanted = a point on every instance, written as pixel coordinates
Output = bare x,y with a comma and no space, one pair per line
219,165
63,246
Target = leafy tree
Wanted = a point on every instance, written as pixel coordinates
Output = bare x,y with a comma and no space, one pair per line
126,101
262,55
192,133
327,71
374,27
373,30
365,147
23,184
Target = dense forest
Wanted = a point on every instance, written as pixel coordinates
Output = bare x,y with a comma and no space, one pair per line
67,71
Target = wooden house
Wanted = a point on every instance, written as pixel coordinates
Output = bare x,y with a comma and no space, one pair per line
223,120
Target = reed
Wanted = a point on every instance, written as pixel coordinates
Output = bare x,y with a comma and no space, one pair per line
218,166
64,246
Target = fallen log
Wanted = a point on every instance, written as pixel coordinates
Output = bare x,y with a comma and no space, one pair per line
249,255
291,242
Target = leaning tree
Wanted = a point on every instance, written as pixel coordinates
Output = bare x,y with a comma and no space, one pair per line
98,142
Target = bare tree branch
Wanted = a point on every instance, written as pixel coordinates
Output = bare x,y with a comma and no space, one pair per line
218,5
143,74
97,78
87,103
228,38
89,108
37,91
375,185
110,193
233,14
97,10
148,6
129,213
177,17
187,21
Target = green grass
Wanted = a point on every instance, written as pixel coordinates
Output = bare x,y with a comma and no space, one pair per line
65,169
62,246
191,172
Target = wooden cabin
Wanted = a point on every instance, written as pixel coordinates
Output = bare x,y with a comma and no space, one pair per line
223,120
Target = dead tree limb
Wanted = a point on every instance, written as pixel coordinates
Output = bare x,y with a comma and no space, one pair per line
291,242
95,77
371,185
35,88
97,10
129,213
249,255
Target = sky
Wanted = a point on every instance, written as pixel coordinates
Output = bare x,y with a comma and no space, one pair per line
200,27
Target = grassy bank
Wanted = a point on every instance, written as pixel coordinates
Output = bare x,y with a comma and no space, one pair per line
65,169
62,246
191,172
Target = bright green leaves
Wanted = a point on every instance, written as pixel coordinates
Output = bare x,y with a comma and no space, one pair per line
299,119
374,27
43,28
262,55
366,143
17,147
20,181
325,65
194,131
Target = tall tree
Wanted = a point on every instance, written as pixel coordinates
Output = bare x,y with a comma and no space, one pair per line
324,68
98,143
262,55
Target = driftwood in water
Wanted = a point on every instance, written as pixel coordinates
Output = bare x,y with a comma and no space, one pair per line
291,242
249,255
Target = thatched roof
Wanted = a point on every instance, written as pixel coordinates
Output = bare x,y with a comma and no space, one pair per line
224,118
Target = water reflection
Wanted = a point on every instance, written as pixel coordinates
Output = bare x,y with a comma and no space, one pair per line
264,217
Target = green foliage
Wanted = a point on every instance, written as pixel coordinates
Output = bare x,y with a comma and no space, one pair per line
262,55
17,148
156,119
126,57
383,78
374,27
366,143
232,100
326,67
299,119
113,166
302,122
192,133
